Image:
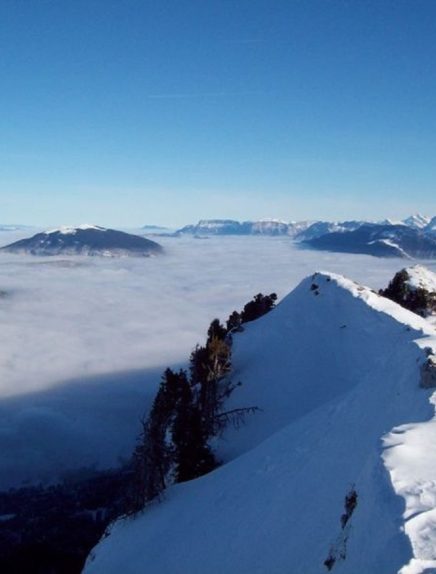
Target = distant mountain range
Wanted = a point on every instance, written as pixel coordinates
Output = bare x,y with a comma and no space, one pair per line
379,240
156,230
301,230
85,240
320,228
414,236
418,221
233,227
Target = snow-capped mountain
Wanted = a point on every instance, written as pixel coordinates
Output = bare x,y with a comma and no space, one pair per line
337,470
269,227
233,227
379,240
84,240
320,228
298,230
417,221
431,227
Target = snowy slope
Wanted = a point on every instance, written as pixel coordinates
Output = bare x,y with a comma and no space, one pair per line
420,276
336,371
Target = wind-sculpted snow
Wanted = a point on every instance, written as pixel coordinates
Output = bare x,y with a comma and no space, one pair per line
335,370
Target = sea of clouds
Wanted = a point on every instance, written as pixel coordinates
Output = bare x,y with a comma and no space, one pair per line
83,341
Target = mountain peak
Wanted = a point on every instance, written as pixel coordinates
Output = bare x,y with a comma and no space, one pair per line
417,220
85,240
335,372
70,230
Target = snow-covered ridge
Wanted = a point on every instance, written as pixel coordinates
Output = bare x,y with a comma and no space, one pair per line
336,370
68,230
390,243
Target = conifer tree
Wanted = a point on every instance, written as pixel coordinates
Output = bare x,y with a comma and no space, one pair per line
260,305
154,454
173,445
234,322
198,366
193,456
216,331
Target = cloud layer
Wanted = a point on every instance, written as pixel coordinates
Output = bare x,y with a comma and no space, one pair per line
83,340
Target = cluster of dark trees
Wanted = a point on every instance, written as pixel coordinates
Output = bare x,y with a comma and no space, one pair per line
416,299
174,445
51,529
258,306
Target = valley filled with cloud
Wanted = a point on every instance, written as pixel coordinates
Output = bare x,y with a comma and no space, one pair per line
84,340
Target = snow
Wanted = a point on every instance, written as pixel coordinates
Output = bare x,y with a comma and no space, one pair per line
417,221
84,341
390,243
421,277
272,221
335,369
66,230
216,223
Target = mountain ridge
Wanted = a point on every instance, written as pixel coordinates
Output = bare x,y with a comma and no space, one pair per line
337,380
85,239
379,240
299,230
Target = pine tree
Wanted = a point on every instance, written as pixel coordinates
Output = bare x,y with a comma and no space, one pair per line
216,331
154,455
198,366
234,322
260,305
193,456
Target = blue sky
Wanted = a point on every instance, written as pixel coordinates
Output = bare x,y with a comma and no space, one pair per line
164,112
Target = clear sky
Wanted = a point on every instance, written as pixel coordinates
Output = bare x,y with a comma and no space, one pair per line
127,112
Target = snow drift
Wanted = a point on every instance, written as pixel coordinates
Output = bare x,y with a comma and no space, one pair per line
336,371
